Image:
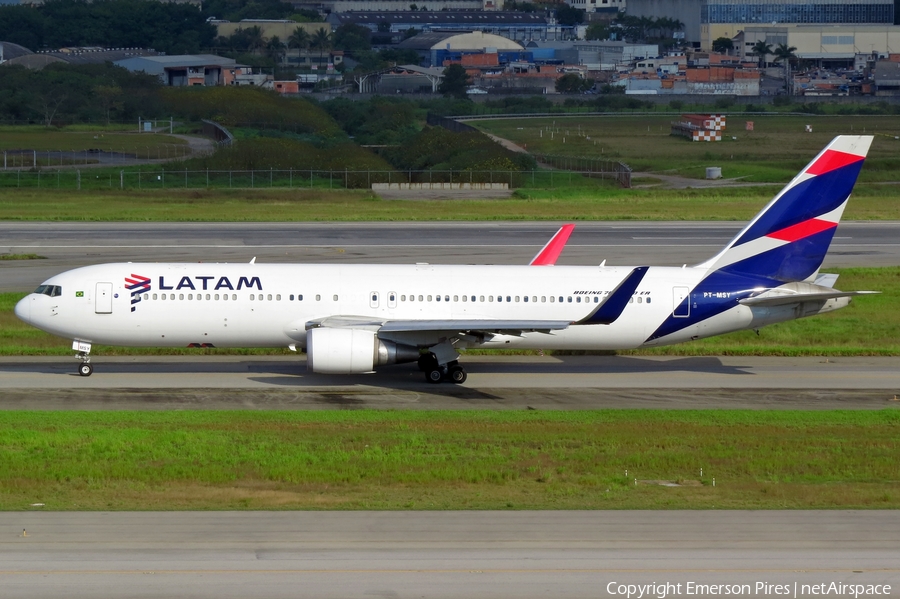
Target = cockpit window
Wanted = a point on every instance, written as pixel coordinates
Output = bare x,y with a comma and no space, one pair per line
51,290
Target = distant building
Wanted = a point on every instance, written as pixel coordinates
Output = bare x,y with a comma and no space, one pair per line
186,70
518,26
595,55
15,54
887,76
437,48
269,28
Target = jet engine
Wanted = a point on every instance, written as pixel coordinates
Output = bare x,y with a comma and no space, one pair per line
346,351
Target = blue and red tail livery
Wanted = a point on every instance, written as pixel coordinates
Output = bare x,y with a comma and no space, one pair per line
788,240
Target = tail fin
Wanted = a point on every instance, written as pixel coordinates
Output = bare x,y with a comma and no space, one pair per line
789,238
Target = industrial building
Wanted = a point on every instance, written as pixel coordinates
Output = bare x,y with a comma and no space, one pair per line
186,70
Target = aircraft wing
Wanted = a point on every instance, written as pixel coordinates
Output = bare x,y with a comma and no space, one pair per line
784,299
474,326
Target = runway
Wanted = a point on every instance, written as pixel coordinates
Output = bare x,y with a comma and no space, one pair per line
495,382
445,555
69,245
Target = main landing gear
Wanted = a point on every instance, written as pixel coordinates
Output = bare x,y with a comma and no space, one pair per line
435,373
83,353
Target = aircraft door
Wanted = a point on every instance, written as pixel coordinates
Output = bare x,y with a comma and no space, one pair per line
681,305
103,298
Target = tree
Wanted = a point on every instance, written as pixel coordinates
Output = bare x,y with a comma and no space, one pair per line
573,83
597,31
569,15
785,53
299,39
455,81
761,49
723,45
352,38
275,49
321,41
110,97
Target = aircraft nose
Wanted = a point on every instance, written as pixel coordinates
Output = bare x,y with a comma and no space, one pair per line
23,309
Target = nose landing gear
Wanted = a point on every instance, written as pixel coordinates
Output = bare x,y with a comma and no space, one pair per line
83,353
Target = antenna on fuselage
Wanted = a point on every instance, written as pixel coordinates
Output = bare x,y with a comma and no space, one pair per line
253,261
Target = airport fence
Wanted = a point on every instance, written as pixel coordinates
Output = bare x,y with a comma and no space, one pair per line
111,178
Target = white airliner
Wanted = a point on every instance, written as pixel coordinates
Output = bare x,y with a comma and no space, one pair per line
352,318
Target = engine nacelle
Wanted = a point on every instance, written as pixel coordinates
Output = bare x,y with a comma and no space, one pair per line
347,351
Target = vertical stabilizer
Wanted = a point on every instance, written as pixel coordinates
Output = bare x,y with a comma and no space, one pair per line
788,239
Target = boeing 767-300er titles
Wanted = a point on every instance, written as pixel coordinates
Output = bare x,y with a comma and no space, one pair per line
352,318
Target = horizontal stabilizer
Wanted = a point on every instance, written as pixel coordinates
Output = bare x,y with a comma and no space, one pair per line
784,299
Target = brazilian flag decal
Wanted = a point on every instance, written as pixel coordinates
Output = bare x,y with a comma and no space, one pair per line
79,294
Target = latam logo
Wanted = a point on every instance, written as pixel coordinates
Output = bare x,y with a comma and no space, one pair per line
137,285
206,283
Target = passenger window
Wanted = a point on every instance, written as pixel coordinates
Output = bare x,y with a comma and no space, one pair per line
630,300
420,298
438,298
291,296
543,299
334,297
207,296
570,299
499,298
446,298
640,300
533,298
561,299
252,296
429,298
234,297
318,297
508,298
154,296
578,299
473,298
300,298
552,299
180,296
146,296
277,297
648,300
162,296
402,298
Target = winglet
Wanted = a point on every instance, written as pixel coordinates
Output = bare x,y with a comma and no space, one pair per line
550,252
614,304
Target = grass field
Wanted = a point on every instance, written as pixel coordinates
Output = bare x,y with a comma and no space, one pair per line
566,204
869,326
116,138
774,151
449,460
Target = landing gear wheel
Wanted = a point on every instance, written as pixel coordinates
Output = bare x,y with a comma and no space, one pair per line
85,369
457,375
434,376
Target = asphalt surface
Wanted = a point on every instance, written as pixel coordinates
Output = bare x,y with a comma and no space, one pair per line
439,554
70,245
495,382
